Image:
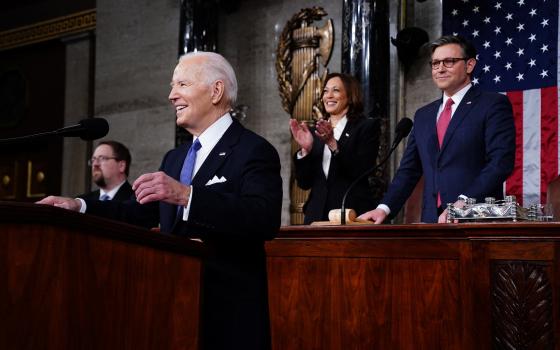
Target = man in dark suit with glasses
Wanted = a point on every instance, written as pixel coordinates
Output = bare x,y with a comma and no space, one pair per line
463,144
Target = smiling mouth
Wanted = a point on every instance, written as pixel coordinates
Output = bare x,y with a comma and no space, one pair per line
180,108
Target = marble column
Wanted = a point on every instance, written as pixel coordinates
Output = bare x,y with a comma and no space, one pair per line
365,50
198,26
365,55
197,32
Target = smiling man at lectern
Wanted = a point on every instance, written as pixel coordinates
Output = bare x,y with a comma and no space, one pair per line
223,188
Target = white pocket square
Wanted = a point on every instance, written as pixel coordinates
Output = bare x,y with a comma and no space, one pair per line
216,180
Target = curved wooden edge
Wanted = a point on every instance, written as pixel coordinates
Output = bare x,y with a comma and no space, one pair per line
29,213
429,231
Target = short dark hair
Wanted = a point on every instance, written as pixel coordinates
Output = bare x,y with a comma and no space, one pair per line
120,152
353,91
469,51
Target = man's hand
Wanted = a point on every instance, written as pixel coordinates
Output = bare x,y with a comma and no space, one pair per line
376,215
61,202
443,217
160,187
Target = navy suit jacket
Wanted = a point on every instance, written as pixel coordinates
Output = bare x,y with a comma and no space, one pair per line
358,147
476,157
233,219
124,193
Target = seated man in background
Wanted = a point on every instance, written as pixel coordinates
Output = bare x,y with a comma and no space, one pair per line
223,188
110,165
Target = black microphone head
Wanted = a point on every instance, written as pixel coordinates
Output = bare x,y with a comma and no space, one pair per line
93,128
403,127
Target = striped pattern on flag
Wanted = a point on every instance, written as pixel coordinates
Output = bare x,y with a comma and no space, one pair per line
517,45
536,163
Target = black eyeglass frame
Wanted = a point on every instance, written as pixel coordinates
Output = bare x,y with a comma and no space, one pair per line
447,62
100,159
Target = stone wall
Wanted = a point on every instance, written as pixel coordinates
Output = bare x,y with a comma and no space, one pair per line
136,51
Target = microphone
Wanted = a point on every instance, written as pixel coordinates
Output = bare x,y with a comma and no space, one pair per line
401,131
86,129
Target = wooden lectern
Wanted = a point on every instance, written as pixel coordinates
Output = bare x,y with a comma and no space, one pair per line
75,281
448,286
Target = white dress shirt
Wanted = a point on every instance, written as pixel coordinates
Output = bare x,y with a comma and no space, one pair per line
327,154
208,139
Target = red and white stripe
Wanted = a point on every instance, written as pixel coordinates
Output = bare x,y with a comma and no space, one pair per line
537,157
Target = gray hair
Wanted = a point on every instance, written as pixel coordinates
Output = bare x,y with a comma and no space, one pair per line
216,67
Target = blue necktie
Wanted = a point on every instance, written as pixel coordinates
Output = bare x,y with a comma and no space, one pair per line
188,165
104,197
187,170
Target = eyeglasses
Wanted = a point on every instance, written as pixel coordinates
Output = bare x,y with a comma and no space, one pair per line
100,159
447,62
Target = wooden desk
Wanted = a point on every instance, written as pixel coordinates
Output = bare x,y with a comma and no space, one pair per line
467,286
74,281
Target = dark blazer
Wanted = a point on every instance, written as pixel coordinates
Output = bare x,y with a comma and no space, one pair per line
124,193
357,151
233,219
475,159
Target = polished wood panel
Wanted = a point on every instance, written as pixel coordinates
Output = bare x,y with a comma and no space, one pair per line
79,282
414,286
330,301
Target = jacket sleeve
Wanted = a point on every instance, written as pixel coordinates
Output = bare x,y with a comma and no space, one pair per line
130,211
407,176
305,169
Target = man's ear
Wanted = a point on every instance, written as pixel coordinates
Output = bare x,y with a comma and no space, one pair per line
218,90
471,62
122,166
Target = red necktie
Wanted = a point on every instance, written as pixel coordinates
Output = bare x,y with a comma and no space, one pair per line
443,121
441,126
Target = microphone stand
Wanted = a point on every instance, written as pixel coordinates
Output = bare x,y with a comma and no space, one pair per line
87,129
361,177
16,140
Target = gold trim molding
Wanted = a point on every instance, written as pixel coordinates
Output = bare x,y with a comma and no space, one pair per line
47,30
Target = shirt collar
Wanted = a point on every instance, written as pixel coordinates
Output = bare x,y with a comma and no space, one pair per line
458,96
112,192
339,128
214,132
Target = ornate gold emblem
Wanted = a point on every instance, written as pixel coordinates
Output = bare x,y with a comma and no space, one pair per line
301,59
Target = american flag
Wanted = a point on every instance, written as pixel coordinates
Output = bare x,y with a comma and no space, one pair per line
517,45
